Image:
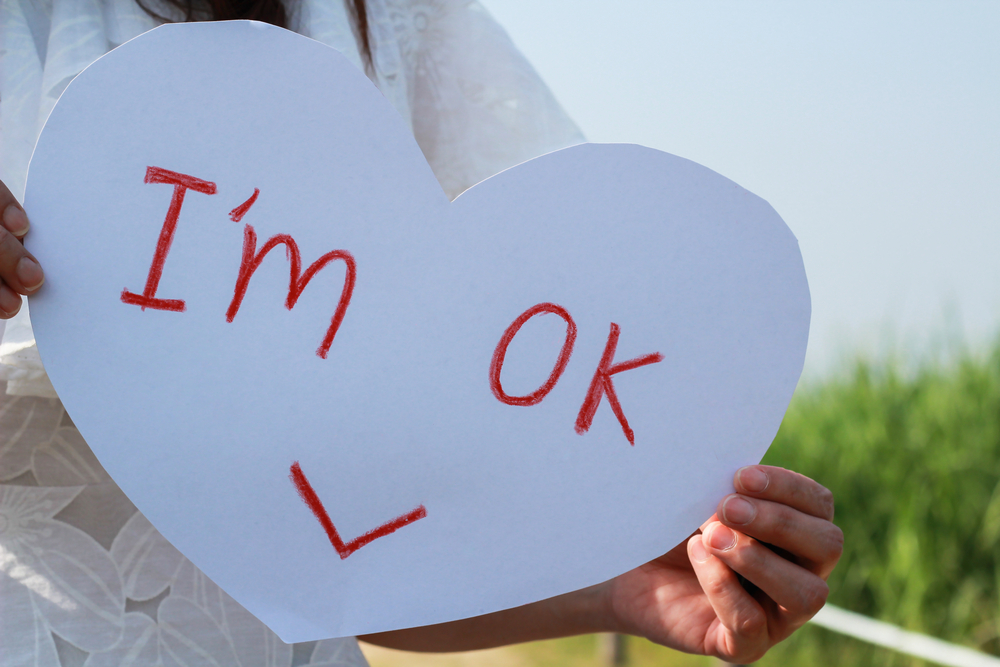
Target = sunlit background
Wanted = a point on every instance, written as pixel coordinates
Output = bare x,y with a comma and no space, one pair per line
872,128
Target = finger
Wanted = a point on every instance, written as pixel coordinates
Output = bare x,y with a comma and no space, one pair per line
15,220
797,590
815,543
18,268
786,487
10,302
737,611
12,216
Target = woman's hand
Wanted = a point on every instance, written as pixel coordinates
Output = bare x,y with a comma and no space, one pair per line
691,598
776,532
19,270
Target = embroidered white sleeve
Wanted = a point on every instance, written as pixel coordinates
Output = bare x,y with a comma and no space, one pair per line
475,104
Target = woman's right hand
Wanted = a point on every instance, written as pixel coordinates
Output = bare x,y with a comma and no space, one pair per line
20,272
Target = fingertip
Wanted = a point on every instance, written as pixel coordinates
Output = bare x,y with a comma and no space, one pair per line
15,220
30,273
720,537
751,479
697,551
10,302
737,510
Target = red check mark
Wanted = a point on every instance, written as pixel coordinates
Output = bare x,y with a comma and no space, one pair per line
345,549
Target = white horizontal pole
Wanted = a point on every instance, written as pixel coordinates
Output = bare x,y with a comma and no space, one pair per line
895,638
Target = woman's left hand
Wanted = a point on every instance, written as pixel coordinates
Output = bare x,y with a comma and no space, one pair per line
776,532
20,273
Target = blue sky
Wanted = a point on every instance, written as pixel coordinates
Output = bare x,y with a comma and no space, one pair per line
872,128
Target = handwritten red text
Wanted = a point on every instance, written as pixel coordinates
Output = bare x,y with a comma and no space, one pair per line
345,549
251,258
182,183
601,384
501,352
296,283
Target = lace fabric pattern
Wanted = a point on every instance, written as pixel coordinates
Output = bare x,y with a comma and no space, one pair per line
85,579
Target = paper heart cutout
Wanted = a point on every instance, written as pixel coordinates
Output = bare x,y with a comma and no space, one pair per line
200,420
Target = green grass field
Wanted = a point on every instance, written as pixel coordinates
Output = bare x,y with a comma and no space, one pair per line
913,459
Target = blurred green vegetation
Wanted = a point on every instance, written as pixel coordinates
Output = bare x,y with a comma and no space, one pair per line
913,459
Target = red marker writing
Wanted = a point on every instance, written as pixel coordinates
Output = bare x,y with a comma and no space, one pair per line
500,353
345,549
182,183
601,384
252,259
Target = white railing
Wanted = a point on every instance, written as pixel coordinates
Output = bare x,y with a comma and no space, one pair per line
895,638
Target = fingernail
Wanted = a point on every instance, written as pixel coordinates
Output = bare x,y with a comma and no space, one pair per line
738,510
753,479
15,220
10,302
721,538
699,553
29,273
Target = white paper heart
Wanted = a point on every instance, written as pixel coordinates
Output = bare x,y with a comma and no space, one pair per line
200,419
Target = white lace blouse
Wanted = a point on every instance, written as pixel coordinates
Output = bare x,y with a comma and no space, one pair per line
84,578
